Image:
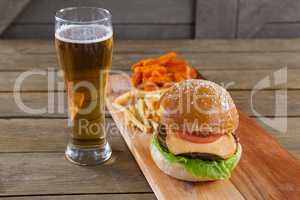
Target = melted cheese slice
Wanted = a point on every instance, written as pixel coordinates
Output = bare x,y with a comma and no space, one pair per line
224,147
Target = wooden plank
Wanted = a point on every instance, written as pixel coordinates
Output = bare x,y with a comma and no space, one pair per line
289,139
292,144
221,61
170,20
33,101
262,174
9,10
33,47
153,31
263,102
293,127
286,11
87,197
131,11
121,31
254,14
234,79
279,30
263,159
216,19
208,46
45,135
35,82
51,173
51,135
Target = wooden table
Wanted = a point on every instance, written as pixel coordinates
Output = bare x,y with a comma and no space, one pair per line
32,163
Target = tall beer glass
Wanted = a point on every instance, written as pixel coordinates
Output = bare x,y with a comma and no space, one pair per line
83,41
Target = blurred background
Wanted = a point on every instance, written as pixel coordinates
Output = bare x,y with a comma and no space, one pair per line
162,19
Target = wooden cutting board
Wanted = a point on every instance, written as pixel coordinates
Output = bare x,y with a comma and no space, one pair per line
266,170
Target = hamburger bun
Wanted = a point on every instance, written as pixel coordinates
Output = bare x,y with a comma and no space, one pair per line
200,105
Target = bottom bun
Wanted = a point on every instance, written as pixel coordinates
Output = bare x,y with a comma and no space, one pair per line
177,170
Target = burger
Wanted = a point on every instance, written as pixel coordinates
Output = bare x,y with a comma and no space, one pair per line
196,139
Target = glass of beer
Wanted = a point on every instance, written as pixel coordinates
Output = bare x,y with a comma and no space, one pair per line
83,41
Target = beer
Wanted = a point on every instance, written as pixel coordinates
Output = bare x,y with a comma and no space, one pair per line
83,41
85,54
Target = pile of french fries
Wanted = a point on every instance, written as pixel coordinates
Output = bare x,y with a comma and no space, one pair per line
140,109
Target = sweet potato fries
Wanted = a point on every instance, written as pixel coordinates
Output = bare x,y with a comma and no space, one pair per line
155,73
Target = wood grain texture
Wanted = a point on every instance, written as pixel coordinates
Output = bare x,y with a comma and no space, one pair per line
88,197
222,60
176,19
216,19
240,55
51,135
255,14
260,175
35,47
131,11
45,135
263,103
140,196
40,173
9,10
266,171
216,60
279,30
31,173
232,79
132,20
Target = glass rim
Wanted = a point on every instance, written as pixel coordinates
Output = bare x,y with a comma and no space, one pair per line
103,10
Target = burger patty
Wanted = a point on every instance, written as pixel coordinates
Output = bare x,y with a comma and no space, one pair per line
162,134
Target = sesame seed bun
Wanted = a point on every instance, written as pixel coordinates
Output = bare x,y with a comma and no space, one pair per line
199,106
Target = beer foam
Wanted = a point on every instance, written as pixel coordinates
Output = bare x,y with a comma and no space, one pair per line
83,34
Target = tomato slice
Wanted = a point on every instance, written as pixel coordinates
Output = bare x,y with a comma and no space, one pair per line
199,139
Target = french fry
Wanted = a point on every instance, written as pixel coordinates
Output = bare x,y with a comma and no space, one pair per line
123,99
129,116
135,121
152,103
122,109
140,109
154,125
133,110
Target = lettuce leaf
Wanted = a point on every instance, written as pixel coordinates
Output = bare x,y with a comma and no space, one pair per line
217,169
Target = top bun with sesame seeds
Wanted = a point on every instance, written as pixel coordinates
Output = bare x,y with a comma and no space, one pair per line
199,106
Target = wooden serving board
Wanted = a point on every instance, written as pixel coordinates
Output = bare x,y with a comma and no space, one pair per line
266,170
